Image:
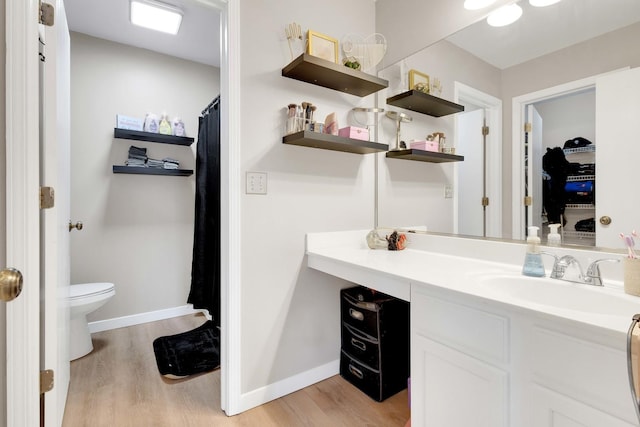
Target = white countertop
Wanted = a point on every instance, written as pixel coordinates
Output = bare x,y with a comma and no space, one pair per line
346,255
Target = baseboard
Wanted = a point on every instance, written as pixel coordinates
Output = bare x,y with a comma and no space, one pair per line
137,319
288,385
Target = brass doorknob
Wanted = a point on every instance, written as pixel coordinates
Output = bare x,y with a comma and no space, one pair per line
10,284
605,220
78,226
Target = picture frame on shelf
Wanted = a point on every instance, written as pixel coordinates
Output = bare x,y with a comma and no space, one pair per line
418,81
322,46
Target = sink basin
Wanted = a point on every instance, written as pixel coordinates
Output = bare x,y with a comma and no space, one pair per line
561,295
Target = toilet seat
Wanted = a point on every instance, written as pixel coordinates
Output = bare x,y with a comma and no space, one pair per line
85,290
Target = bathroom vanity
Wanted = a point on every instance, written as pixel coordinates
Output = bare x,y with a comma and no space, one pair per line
490,347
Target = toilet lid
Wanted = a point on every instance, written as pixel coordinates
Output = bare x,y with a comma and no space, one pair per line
88,289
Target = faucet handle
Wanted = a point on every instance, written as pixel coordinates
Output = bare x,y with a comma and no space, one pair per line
557,271
593,271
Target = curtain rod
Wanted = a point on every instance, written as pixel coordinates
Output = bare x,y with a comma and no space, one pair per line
211,104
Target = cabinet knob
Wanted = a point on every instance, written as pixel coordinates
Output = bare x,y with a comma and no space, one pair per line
605,220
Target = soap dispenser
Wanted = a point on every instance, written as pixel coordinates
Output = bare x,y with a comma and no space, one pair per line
554,239
533,265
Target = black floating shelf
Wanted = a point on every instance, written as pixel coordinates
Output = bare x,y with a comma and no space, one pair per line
318,71
151,137
331,142
151,171
424,103
424,156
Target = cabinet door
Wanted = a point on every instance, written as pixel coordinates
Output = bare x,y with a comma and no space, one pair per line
450,388
557,410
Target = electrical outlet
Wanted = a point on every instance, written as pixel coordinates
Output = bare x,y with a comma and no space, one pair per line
256,183
448,191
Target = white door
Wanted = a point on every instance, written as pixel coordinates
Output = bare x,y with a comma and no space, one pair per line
470,186
55,166
617,113
534,167
22,221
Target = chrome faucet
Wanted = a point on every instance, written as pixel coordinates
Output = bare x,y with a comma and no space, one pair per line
593,271
561,269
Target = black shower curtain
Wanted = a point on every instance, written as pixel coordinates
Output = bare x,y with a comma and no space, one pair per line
205,267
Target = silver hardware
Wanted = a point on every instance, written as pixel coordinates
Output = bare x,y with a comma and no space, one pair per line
562,265
399,118
355,371
593,271
358,344
356,314
634,394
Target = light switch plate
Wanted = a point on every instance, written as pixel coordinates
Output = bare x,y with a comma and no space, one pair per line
256,183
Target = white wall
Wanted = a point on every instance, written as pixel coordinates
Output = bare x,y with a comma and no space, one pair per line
138,229
411,25
410,192
568,117
290,313
3,237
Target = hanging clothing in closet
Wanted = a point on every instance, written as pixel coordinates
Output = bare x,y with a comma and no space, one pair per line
205,267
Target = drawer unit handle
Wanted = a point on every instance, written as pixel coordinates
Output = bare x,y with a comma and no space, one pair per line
355,371
356,314
358,344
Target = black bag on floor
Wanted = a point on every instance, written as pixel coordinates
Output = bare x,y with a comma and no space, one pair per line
188,353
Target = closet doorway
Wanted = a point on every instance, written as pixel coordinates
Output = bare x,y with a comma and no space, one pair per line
478,202
546,119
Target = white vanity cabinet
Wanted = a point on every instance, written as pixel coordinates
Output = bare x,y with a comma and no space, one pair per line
478,363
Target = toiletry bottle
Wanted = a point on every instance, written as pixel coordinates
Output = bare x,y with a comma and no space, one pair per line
151,123
178,127
554,239
533,265
164,127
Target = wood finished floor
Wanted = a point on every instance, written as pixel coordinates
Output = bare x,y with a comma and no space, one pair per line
118,385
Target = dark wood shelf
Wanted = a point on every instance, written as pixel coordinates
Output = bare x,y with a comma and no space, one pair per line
424,156
424,103
151,137
317,71
151,171
332,142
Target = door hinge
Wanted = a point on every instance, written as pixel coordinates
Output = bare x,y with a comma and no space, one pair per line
46,381
47,197
528,201
485,130
527,127
47,14
485,201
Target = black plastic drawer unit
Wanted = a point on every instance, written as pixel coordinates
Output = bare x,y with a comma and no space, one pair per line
375,341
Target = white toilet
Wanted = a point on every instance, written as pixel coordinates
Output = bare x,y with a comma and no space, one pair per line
84,299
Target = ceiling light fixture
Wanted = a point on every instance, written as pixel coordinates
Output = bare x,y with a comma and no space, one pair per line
542,3
156,16
477,4
505,15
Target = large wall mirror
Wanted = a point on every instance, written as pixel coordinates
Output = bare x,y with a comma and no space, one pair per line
566,72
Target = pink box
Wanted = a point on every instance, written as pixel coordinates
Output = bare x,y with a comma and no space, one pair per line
354,133
425,145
